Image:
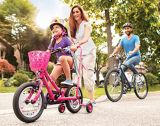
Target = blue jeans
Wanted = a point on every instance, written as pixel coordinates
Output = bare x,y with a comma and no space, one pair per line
131,62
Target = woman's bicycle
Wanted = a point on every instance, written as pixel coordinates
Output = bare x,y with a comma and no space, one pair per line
116,83
29,100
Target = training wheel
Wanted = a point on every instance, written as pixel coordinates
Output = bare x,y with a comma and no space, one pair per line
89,107
61,108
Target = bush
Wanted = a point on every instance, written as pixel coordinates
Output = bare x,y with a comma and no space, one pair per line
6,67
10,82
28,73
1,83
152,79
19,78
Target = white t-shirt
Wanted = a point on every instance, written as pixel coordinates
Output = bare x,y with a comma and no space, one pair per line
89,45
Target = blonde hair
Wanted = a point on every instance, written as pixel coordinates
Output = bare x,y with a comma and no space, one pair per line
72,21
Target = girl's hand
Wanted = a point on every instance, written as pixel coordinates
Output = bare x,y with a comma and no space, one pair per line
48,50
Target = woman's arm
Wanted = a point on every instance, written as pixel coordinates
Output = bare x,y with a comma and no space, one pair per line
87,34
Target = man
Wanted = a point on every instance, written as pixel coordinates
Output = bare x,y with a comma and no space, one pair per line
131,45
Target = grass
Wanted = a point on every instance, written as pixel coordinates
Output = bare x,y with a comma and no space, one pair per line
154,88
98,91
7,89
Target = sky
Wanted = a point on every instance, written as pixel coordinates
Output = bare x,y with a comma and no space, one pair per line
48,9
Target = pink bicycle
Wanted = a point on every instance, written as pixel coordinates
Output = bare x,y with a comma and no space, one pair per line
29,100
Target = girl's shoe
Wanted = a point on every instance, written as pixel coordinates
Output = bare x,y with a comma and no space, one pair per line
67,82
93,103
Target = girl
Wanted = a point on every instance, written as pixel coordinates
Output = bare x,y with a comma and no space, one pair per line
64,60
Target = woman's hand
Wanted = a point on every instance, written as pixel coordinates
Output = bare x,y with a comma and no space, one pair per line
73,48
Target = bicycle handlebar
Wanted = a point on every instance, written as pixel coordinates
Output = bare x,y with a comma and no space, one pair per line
66,49
119,57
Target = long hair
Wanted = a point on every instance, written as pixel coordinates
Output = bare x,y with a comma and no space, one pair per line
72,21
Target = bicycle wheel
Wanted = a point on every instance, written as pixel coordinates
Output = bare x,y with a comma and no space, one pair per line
113,85
140,85
74,105
23,108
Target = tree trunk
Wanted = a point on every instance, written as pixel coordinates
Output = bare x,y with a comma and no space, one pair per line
109,37
159,6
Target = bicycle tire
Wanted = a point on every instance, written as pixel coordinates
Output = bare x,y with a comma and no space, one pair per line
109,86
138,86
17,103
70,103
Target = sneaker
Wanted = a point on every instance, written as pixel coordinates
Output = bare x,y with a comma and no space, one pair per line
67,82
92,102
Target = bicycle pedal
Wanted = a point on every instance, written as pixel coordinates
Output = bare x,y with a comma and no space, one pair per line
129,89
64,86
45,105
54,92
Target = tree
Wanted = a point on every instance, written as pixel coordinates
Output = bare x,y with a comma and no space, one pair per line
146,21
101,61
17,16
105,5
142,14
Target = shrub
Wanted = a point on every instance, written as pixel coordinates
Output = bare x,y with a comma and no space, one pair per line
152,79
6,67
28,73
9,82
19,79
1,83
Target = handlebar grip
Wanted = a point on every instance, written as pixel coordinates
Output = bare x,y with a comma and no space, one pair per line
55,51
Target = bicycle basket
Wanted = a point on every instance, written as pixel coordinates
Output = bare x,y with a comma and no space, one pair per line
38,60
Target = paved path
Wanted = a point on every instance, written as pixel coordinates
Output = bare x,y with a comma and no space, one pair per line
129,111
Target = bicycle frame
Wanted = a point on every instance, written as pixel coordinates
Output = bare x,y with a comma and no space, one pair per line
44,76
120,64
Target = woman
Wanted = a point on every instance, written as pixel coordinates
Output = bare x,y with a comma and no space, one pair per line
80,31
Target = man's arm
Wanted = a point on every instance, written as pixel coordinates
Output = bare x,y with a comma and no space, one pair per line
116,50
135,49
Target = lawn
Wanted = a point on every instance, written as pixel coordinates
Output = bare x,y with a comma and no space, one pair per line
98,91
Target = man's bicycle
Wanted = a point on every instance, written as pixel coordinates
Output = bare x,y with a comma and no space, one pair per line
29,100
116,83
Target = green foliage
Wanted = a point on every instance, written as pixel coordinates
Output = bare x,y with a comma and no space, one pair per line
16,18
152,79
50,67
146,21
1,83
28,73
19,79
22,8
9,82
142,14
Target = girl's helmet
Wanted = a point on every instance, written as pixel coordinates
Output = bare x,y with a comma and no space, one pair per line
61,22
